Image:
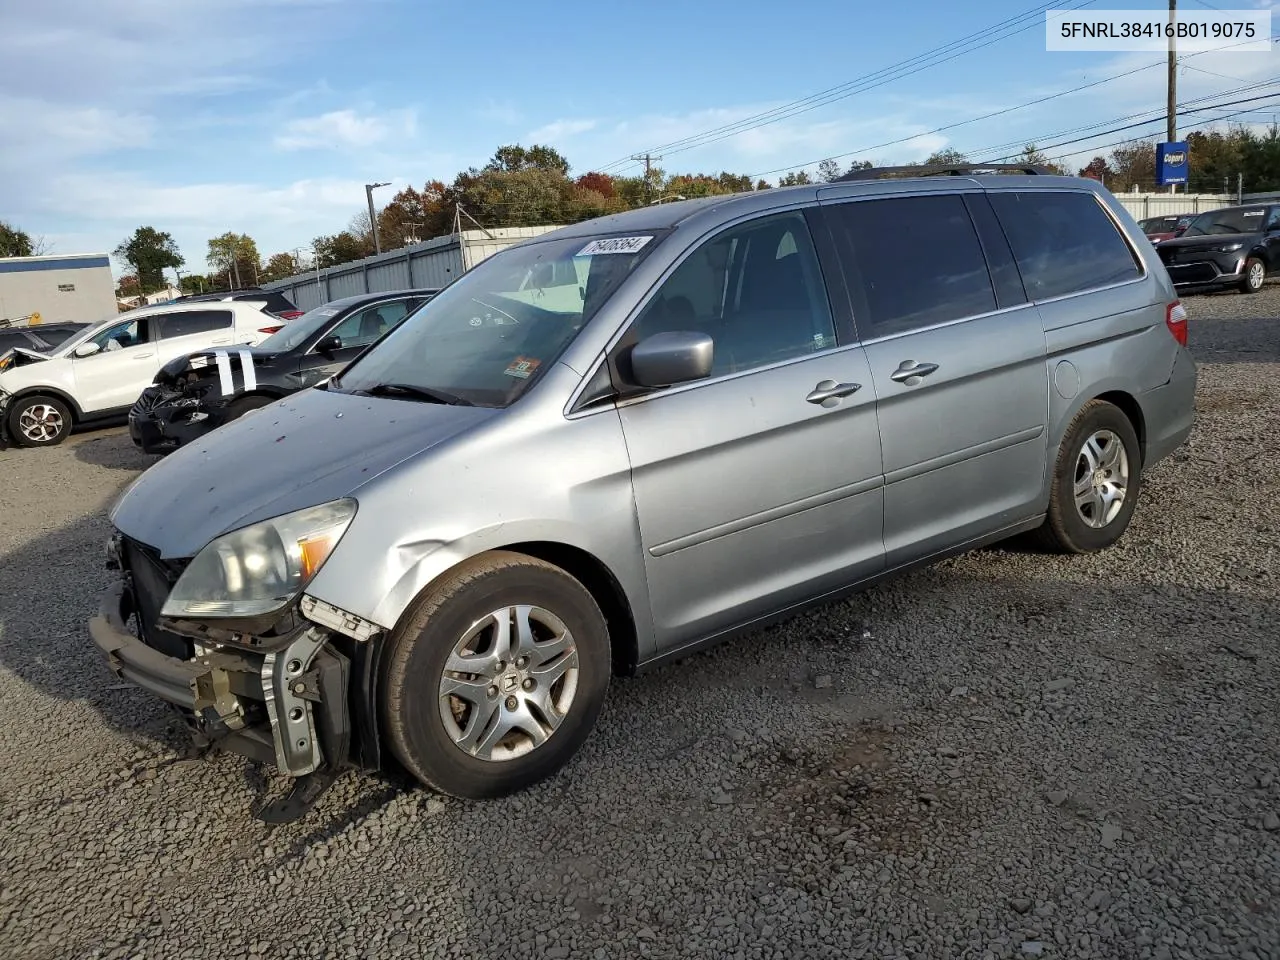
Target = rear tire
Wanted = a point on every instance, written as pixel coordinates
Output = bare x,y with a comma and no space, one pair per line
1096,482
39,421
473,715
1255,275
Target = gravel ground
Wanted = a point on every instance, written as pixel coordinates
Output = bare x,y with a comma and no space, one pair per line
1007,755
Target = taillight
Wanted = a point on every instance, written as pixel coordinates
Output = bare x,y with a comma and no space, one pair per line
1175,318
270,329
289,314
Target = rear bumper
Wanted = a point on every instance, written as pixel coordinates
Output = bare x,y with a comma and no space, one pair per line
1170,409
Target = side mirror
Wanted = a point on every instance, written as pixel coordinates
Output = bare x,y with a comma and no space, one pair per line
668,358
329,344
86,349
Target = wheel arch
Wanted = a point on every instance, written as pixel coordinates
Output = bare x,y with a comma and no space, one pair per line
77,415
585,567
1132,409
603,586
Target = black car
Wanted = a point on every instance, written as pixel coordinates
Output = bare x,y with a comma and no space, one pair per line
276,303
42,337
194,394
1229,247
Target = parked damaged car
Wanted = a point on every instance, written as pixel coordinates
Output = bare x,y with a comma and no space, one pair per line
614,444
201,391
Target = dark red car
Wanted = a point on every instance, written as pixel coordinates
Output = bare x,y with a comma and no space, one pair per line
1165,227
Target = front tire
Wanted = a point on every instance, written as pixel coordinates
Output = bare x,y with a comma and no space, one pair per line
238,408
1095,483
1255,275
39,421
495,677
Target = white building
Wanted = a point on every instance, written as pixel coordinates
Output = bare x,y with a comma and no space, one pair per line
77,288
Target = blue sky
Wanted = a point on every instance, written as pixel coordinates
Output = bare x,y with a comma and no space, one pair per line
268,116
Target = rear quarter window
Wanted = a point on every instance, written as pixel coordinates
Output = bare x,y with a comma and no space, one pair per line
192,322
1063,242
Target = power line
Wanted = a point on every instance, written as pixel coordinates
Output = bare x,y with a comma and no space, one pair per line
995,113
905,68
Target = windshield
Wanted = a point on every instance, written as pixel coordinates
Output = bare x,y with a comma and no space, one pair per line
1228,220
488,336
295,332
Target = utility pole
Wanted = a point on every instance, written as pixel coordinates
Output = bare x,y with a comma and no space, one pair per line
373,217
648,166
1172,106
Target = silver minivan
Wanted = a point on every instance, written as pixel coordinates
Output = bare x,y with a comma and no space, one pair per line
629,438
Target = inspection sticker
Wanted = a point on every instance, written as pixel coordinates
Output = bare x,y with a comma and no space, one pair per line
522,367
613,245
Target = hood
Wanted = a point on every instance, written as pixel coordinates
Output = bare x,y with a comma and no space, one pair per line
20,357
205,362
1206,242
309,448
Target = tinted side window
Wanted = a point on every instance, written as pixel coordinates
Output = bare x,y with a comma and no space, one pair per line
192,322
278,303
126,333
756,289
916,260
1063,242
365,326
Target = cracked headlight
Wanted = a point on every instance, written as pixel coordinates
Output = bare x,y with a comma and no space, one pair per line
260,568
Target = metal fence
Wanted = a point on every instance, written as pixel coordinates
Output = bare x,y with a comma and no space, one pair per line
1143,205
432,263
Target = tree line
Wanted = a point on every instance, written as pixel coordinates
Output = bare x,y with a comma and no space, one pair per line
525,186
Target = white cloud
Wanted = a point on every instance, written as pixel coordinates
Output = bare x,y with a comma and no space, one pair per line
343,128
559,130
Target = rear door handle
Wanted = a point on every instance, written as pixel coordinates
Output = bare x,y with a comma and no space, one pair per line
830,390
143,356
910,373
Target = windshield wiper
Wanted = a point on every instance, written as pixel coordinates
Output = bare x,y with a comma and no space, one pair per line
429,394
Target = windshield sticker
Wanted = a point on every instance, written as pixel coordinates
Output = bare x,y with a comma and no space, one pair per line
613,245
198,363
522,367
327,312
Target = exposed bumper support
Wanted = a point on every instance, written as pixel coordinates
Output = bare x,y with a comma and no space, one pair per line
184,683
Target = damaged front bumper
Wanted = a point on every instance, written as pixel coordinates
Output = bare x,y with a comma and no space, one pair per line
301,702
163,420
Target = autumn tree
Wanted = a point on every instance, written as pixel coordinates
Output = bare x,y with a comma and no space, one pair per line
235,254
150,252
1031,156
128,286
279,266
514,157
342,247
15,242
415,215
1134,165
600,183
1098,169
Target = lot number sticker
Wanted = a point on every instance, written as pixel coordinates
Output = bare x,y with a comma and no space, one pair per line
613,245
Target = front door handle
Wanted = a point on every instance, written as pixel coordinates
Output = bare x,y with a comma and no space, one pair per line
830,390
910,373
143,356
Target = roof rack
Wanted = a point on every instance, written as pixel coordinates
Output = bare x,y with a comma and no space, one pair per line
955,170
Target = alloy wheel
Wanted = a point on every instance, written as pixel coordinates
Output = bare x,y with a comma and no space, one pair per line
40,422
509,682
1101,478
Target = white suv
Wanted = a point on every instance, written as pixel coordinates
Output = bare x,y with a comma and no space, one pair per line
99,373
